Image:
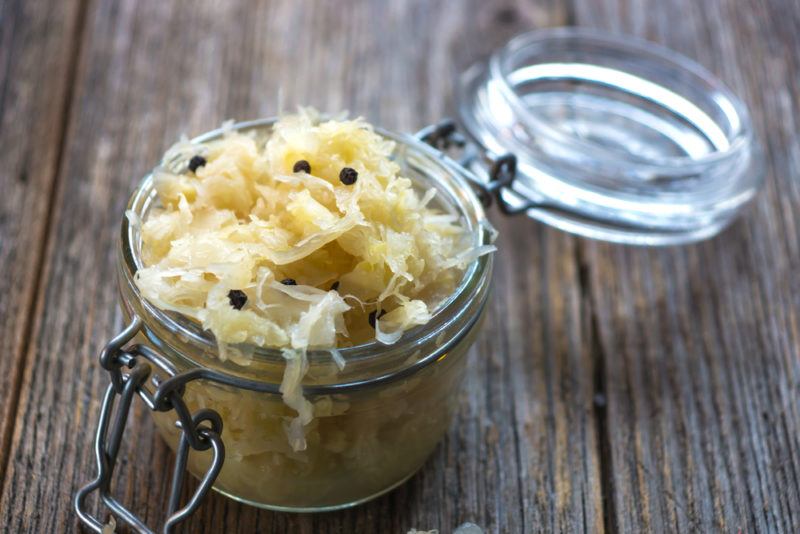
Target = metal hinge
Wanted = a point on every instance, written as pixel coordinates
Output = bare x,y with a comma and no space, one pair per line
501,172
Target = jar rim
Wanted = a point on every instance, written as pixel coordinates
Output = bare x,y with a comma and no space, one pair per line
733,107
461,198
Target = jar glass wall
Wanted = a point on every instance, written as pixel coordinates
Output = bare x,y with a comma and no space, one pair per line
375,421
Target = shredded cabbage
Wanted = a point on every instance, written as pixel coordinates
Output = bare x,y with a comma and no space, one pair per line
468,528
110,527
244,221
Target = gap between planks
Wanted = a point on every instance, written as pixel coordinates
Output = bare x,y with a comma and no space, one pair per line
599,400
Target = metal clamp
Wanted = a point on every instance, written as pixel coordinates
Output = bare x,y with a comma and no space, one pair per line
502,170
130,369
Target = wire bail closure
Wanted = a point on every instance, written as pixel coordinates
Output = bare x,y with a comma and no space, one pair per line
129,369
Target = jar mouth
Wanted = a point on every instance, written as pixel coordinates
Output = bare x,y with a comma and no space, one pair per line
420,160
630,61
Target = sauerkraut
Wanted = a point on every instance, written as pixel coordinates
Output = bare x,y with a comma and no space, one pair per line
279,221
357,444
310,238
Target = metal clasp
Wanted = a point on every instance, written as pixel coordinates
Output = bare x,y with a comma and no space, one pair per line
502,170
130,369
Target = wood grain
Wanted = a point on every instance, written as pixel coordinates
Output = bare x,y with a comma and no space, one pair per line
36,68
699,345
523,453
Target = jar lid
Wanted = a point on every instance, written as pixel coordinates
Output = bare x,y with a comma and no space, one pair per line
615,138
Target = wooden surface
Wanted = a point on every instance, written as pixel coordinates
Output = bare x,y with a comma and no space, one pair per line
613,389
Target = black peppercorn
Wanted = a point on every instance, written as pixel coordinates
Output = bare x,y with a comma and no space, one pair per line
196,162
237,298
302,166
289,282
348,176
335,286
374,316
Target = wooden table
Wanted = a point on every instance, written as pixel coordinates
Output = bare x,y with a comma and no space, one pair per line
613,388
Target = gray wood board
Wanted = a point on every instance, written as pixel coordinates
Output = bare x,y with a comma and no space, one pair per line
38,44
612,388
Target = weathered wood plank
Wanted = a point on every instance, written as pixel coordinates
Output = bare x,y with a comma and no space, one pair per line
36,59
699,345
523,455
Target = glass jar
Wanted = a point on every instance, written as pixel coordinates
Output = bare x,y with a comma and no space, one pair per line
375,421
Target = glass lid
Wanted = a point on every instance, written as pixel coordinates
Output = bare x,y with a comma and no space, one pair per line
615,138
